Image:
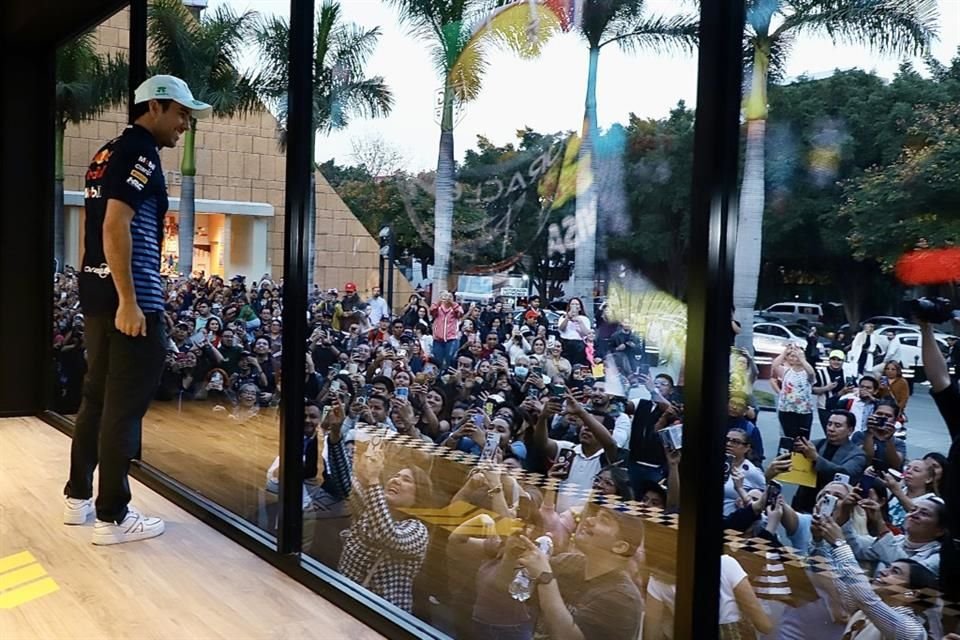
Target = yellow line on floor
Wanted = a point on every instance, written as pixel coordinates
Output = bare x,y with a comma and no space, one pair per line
16,560
18,577
32,591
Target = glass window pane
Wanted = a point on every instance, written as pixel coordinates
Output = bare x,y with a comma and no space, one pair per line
835,214
532,214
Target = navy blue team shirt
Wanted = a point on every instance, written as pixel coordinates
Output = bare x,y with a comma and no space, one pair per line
127,169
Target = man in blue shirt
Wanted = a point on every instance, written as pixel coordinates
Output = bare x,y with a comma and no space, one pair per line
122,297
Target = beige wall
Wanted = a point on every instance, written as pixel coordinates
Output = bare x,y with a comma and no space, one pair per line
238,159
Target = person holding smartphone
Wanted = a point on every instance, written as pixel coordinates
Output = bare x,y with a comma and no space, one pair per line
832,455
595,450
878,440
793,383
738,448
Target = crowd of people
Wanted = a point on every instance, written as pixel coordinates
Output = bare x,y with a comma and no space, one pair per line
563,448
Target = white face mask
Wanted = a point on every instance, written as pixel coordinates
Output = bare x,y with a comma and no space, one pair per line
520,372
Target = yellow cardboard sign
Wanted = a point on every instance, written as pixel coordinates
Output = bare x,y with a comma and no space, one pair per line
801,471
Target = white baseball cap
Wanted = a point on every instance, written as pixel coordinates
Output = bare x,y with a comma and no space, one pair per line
171,88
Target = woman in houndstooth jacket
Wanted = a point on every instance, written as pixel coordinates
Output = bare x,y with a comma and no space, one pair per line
385,547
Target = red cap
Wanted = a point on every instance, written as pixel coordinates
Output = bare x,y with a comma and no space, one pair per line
532,313
350,287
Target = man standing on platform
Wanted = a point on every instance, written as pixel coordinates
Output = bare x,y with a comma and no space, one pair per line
121,294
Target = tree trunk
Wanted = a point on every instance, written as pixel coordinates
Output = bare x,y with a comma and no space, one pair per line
311,228
746,265
188,172
59,242
749,234
443,205
585,254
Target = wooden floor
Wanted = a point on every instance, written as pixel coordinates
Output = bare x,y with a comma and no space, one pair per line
190,583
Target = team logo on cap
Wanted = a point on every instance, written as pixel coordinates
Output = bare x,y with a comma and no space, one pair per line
162,89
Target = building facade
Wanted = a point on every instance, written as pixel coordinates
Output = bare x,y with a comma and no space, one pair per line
239,197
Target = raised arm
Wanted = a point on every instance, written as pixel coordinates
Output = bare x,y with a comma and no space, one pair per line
934,364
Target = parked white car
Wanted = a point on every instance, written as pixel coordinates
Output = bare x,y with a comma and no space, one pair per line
911,345
772,338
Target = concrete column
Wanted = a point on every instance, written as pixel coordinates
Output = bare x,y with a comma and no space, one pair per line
226,246
258,247
72,236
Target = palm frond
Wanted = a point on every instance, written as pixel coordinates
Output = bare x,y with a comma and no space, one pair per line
898,27
778,52
656,34
205,53
87,83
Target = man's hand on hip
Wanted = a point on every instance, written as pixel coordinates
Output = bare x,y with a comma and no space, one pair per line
130,320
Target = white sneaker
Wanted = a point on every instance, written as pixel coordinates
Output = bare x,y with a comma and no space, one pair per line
77,510
135,526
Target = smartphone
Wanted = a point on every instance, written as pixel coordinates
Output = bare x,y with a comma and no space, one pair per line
727,467
828,503
896,474
643,369
557,390
880,467
488,409
565,457
478,420
841,477
334,369
490,445
851,381
352,368
401,353
672,437
402,392
774,489
335,386
326,412
866,483
786,446
367,390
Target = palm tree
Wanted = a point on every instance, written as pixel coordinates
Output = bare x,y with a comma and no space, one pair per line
890,26
204,53
87,84
340,88
461,33
626,24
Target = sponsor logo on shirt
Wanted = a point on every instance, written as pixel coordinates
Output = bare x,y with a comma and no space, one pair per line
92,192
139,176
150,166
136,184
103,270
98,166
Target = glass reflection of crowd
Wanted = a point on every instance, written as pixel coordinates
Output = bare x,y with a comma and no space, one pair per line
441,443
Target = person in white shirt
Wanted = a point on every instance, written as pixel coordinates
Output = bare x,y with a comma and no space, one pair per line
597,449
377,307
574,327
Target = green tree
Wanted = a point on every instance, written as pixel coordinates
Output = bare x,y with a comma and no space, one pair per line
205,54
87,84
889,26
341,89
626,24
913,201
460,34
654,236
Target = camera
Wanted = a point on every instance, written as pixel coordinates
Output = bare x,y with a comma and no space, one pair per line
932,310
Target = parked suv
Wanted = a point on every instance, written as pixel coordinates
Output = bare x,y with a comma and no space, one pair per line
795,312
